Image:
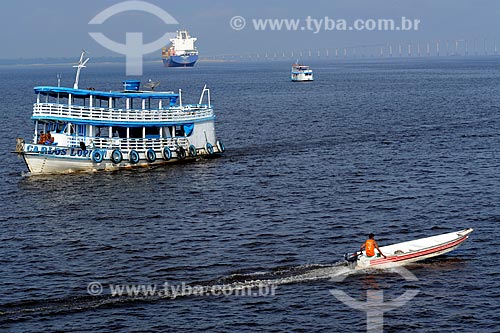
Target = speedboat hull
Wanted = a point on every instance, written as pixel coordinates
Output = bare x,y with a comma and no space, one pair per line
408,252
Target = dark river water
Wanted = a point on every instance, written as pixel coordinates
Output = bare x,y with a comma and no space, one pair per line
404,149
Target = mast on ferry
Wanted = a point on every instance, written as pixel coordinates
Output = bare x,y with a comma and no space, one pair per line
79,67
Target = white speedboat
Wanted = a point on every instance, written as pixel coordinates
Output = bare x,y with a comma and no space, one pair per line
407,252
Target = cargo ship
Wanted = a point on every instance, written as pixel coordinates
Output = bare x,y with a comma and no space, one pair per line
181,52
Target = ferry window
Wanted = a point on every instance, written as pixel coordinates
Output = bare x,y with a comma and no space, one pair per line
152,132
102,132
42,127
166,132
119,103
56,127
62,127
81,130
120,131
103,103
48,127
136,132
78,101
179,130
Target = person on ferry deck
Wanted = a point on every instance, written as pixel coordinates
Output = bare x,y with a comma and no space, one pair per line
370,245
49,139
41,138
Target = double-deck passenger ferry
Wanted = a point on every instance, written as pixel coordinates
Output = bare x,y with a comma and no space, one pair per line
301,73
91,130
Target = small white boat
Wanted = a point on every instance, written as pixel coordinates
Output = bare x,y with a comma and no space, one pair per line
301,73
407,252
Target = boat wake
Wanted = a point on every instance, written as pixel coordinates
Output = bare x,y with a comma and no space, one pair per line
289,275
228,285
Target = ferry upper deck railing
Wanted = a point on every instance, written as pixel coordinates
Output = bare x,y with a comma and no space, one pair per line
171,114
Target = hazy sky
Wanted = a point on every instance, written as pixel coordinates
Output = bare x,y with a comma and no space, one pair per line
59,28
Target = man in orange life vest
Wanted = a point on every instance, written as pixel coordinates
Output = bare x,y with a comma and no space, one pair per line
370,245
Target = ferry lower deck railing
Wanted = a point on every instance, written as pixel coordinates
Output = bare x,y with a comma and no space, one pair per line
129,144
172,114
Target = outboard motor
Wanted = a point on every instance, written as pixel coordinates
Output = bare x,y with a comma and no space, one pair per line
351,257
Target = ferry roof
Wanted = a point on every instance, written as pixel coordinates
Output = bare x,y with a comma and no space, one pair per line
300,66
84,93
